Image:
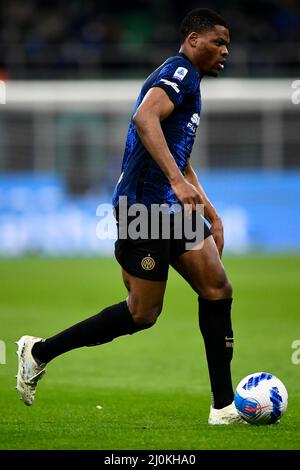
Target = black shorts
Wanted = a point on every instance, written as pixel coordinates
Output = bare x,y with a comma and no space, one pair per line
149,258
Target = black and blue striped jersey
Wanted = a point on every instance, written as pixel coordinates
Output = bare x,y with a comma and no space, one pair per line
141,180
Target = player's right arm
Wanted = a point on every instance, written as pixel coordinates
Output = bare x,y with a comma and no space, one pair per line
155,107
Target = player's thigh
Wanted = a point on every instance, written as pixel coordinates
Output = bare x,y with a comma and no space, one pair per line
145,297
204,271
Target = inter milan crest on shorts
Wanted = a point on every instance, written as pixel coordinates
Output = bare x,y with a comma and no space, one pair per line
148,263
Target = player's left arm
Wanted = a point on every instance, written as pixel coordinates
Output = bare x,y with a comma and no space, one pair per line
210,212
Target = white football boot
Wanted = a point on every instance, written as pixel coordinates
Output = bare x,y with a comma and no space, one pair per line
226,415
29,371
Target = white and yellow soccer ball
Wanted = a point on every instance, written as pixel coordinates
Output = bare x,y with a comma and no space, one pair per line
261,398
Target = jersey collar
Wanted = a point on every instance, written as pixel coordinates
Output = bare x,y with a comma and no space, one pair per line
185,56
181,54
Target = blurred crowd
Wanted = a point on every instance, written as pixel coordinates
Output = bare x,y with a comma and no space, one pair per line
90,39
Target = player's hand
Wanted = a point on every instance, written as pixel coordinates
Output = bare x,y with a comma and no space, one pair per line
217,232
186,193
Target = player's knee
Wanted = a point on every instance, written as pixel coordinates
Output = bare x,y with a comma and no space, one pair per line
219,289
227,289
145,315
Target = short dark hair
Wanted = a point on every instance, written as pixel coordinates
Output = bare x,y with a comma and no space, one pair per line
200,20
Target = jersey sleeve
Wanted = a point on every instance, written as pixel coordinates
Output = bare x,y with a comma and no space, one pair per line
177,79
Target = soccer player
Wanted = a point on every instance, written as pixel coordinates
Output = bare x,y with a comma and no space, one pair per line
157,170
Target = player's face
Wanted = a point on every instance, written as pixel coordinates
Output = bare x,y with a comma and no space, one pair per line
212,50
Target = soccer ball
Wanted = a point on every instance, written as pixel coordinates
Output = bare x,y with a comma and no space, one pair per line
261,398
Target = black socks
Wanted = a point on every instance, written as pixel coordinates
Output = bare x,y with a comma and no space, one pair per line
215,326
112,322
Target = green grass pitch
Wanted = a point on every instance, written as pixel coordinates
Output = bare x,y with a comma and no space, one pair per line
150,390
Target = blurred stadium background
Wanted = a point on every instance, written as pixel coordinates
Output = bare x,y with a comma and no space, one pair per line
73,70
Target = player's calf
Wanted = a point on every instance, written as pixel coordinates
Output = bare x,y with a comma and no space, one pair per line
216,329
110,323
